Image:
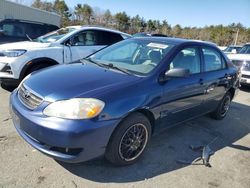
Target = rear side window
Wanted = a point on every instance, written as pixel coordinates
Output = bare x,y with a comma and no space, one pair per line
108,38
187,58
212,60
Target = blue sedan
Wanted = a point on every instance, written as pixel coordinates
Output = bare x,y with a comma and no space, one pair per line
111,102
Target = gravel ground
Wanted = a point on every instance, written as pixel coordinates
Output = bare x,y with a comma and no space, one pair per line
23,166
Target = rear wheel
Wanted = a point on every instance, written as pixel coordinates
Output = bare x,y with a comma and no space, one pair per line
8,87
223,107
129,140
36,67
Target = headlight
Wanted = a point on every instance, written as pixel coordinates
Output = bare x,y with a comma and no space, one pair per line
12,53
76,108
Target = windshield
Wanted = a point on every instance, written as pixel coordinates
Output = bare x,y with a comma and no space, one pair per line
231,48
55,35
246,66
135,55
245,49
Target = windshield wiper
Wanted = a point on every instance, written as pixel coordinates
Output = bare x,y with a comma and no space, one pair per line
29,38
94,62
110,65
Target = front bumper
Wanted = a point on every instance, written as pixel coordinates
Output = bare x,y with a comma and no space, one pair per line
65,140
245,79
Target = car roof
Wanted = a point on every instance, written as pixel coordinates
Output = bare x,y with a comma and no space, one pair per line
176,41
82,28
85,27
234,46
74,26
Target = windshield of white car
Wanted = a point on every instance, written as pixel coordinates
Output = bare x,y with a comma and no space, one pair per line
54,36
135,55
245,49
231,48
246,66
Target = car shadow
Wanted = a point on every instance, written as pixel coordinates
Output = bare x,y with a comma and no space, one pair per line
245,88
8,88
171,146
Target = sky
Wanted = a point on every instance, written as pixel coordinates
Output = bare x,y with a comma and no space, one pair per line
197,13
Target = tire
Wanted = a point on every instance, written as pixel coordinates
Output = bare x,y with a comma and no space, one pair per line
223,107
8,87
36,67
129,140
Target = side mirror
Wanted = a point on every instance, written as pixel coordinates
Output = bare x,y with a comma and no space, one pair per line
234,51
69,42
175,73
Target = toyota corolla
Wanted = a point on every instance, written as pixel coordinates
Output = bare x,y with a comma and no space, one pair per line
113,101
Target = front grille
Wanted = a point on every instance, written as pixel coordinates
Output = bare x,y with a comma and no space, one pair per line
245,76
28,98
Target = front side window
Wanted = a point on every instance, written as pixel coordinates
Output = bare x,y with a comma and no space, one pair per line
86,38
212,60
135,55
187,58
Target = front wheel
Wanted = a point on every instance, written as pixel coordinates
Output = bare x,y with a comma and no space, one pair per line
129,140
223,107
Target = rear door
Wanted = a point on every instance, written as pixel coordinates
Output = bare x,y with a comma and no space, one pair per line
216,78
182,97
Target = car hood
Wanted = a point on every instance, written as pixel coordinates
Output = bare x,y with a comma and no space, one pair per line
76,80
26,45
239,56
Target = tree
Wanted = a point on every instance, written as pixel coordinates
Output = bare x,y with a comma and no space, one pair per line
78,12
166,28
87,12
150,26
137,24
37,4
122,20
176,31
62,9
43,5
107,17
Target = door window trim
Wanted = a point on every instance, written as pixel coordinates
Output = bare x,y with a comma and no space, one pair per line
197,47
222,58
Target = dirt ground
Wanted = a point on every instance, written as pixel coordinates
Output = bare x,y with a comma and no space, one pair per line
23,166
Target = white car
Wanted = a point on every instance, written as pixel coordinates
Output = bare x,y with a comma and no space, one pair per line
232,49
63,46
242,60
